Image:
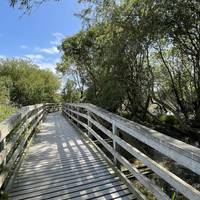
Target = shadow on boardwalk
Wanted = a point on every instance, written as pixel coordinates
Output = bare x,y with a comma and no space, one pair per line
59,165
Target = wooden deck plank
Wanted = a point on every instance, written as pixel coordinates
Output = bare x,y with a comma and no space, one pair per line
68,189
55,182
62,172
62,186
48,162
38,182
106,191
59,165
56,158
42,168
128,196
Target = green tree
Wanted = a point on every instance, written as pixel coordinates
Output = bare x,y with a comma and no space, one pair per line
30,85
70,92
141,52
112,62
5,85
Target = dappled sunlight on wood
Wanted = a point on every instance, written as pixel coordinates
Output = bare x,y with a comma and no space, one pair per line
60,165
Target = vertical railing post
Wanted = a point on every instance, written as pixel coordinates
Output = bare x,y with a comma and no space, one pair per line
77,116
43,112
62,107
115,131
89,124
69,111
66,106
4,148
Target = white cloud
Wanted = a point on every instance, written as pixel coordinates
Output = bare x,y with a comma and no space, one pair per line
47,57
23,46
38,59
58,38
46,65
34,57
57,60
2,57
50,50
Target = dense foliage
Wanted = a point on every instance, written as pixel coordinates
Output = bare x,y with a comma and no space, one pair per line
137,54
23,83
70,92
6,110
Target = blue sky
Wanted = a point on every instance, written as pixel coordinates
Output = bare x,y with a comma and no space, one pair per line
36,36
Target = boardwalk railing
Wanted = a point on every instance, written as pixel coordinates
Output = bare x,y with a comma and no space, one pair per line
15,132
115,134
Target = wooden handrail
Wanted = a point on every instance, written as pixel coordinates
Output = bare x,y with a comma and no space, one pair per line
8,124
184,154
15,133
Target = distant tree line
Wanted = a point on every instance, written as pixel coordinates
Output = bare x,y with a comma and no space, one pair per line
23,83
136,54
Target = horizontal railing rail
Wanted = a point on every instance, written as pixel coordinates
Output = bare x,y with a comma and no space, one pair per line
54,107
183,154
15,133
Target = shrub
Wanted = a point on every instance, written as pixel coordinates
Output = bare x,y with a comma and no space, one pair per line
6,111
168,119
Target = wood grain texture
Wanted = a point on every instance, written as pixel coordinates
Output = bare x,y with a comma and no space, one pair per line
174,149
59,165
184,154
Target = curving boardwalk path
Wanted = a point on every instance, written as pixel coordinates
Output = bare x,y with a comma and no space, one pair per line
59,165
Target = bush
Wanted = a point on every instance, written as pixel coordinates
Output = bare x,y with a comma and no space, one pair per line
24,83
6,111
168,119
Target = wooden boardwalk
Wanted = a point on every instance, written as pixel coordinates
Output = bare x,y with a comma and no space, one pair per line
59,165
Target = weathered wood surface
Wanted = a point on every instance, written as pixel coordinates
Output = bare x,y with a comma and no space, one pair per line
184,154
7,125
59,165
15,133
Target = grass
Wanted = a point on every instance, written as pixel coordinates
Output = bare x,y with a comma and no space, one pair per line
6,111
